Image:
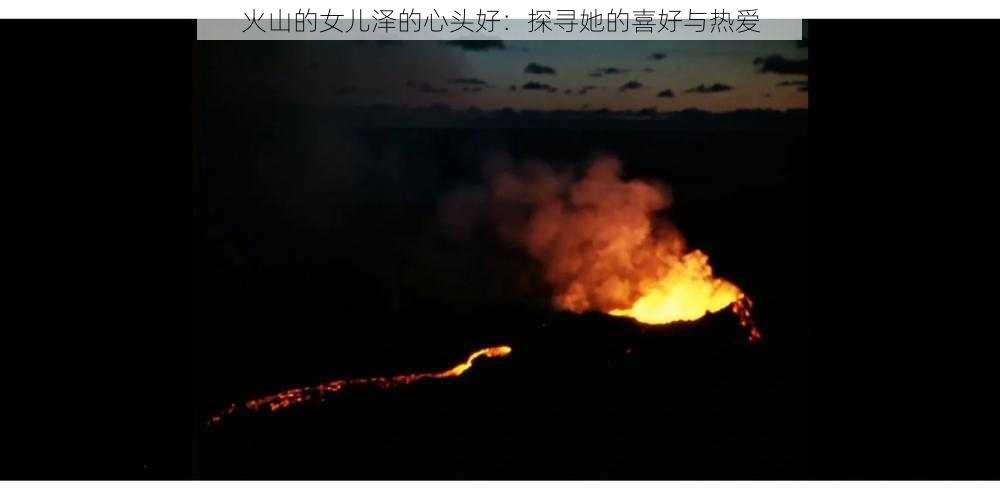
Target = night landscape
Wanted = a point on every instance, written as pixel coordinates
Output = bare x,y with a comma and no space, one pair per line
637,259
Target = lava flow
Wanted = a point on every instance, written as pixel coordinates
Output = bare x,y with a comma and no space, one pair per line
301,395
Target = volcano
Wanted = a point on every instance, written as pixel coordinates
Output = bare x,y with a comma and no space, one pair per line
576,395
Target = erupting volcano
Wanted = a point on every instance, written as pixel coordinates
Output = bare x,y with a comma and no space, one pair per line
301,395
603,248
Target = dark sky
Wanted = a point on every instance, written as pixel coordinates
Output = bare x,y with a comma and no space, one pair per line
619,75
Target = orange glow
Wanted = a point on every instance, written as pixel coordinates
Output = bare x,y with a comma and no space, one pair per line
301,395
604,247
686,291
489,352
742,309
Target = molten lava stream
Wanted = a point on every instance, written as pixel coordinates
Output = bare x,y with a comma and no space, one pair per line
301,395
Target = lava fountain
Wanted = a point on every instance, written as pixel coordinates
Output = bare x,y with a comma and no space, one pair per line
603,248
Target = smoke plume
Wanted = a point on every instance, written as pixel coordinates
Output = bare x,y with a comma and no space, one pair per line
603,243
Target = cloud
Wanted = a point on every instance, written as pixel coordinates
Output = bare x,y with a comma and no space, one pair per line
586,88
538,69
658,56
666,93
477,45
538,86
512,88
779,65
709,89
647,112
631,85
648,70
425,87
599,72
467,81
803,85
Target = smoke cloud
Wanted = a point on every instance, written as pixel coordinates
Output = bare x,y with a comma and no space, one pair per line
601,240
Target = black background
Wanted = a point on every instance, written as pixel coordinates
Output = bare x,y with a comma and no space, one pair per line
900,371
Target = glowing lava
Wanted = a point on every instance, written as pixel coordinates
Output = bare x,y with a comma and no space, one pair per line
301,395
604,246
741,308
686,291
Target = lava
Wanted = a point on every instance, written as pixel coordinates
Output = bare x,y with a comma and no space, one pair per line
604,246
688,292
685,291
301,395
654,309
741,308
